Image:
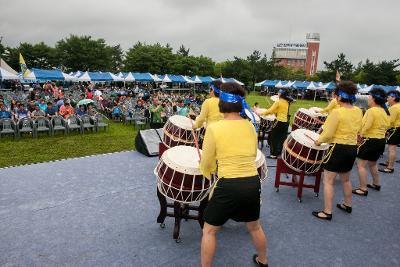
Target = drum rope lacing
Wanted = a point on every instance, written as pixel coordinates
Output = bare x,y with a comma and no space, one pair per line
291,152
329,154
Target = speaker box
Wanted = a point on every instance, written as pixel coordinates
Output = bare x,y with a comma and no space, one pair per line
147,141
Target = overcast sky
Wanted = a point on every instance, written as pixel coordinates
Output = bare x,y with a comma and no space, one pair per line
219,29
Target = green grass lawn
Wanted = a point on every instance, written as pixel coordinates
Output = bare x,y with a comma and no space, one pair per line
119,137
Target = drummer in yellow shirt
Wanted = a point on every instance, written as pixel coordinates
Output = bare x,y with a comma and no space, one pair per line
374,125
340,130
333,104
232,142
280,126
209,109
393,140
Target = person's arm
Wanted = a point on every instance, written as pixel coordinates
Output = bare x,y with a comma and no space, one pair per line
329,128
330,106
367,122
202,117
208,164
272,110
392,117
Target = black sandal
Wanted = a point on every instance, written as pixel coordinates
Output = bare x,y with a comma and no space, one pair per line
344,207
327,216
374,186
384,164
360,192
387,170
255,260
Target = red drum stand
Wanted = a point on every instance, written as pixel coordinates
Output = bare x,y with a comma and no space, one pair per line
282,168
180,211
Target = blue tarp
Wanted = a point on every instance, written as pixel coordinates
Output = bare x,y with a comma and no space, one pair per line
54,75
270,83
300,84
206,79
143,77
100,76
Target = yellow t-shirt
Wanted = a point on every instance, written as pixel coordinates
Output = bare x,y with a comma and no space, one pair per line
375,123
342,126
395,115
280,108
331,106
209,113
233,143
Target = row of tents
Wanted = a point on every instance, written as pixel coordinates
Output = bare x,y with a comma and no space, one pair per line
305,85
40,75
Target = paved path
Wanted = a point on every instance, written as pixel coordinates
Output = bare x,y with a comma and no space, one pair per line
101,211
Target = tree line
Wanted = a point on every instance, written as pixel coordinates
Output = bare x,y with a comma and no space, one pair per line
86,53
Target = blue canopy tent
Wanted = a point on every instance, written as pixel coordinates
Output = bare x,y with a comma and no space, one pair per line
330,86
270,83
301,85
143,77
206,79
177,78
46,75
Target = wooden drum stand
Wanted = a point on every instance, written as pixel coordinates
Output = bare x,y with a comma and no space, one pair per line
283,168
180,211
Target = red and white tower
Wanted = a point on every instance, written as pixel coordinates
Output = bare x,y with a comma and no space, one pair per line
313,40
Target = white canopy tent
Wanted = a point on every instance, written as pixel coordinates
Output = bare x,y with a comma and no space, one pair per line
6,75
129,77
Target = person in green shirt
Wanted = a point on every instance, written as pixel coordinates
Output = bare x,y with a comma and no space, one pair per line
156,110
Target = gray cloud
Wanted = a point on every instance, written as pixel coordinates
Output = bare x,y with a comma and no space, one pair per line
220,29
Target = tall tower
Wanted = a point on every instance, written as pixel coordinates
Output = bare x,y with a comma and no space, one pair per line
312,53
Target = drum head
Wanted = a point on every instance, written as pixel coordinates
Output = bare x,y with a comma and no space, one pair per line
248,114
306,138
183,159
181,121
269,117
260,159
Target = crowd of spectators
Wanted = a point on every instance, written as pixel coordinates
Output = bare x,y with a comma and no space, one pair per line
49,100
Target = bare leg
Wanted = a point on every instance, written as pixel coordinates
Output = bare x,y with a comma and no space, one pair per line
391,156
208,244
374,172
345,177
362,173
329,190
259,240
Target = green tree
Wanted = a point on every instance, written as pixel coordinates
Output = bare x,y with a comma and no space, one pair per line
182,51
84,53
154,58
340,64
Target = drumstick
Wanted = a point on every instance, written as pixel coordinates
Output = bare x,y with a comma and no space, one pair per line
196,142
309,137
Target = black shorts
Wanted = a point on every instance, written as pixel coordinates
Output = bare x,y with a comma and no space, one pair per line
371,149
340,158
394,136
234,198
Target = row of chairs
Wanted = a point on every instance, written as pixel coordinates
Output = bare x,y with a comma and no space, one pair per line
57,123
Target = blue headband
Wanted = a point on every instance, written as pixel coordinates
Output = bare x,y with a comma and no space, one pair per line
380,97
231,98
347,96
215,89
394,95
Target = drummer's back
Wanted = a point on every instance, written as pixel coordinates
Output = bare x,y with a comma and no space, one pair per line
214,114
236,147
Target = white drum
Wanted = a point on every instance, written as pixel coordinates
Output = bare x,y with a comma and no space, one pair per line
301,154
179,177
261,165
178,131
248,115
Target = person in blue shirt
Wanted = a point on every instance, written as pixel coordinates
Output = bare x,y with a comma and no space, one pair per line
81,111
51,111
4,113
42,105
22,112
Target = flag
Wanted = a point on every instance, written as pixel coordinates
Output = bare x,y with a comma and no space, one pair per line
337,76
24,68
